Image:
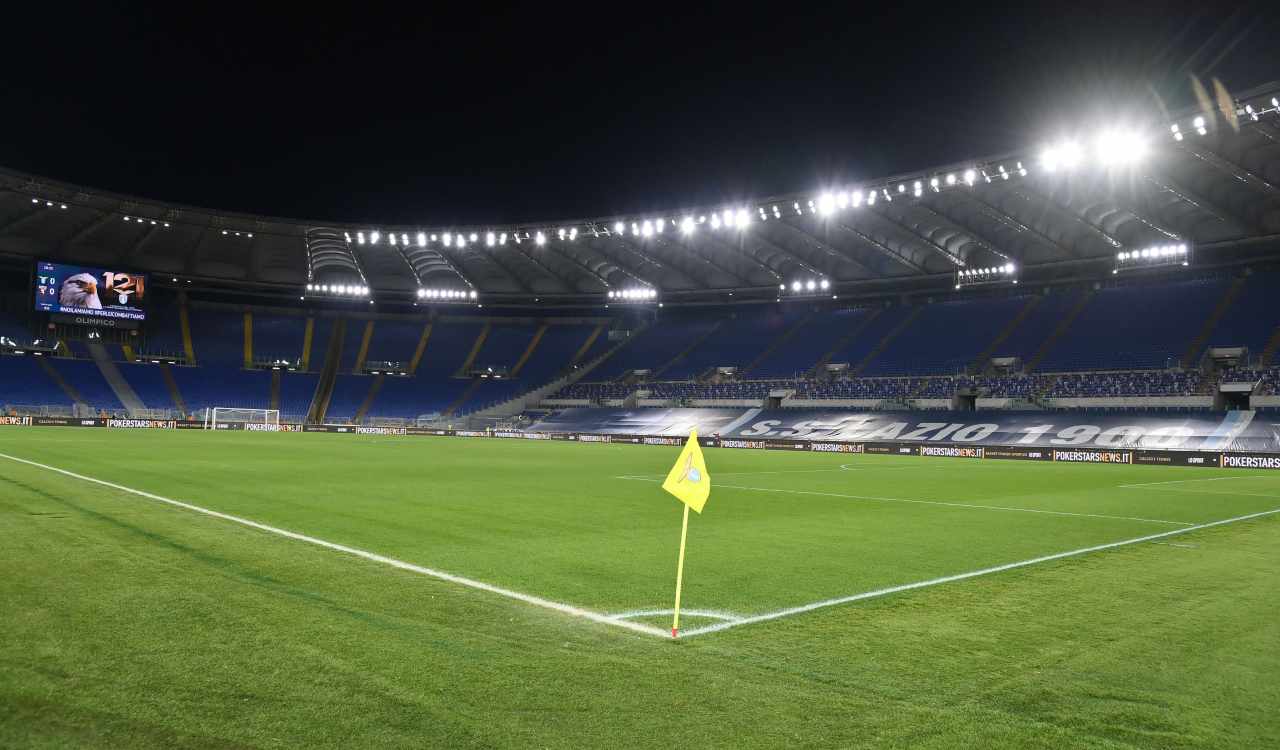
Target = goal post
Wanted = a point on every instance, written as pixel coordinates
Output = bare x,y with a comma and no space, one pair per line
215,415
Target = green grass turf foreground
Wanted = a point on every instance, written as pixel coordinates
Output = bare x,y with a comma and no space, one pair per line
128,622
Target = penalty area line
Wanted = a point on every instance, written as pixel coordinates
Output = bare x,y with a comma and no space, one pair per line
963,576
537,601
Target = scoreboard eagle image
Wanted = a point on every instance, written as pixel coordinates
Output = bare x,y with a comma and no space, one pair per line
90,293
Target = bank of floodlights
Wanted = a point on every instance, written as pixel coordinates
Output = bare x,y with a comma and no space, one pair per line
339,290
805,287
447,295
641,294
1006,273
1169,254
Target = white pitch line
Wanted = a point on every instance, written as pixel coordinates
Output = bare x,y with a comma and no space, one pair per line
1175,544
962,576
537,601
1187,481
944,503
710,614
1219,492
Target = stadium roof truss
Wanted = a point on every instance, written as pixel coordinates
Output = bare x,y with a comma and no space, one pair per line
1207,179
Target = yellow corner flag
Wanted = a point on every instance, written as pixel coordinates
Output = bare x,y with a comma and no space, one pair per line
691,484
688,480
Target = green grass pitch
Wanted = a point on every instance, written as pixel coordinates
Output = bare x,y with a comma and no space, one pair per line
130,622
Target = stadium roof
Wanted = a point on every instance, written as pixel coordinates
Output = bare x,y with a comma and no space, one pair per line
1208,180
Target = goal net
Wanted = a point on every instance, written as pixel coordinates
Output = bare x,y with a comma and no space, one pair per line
220,415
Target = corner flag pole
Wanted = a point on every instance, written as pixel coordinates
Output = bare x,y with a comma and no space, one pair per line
684,532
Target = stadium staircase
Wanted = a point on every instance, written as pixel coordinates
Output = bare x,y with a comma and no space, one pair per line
711,331
781,339
528,352
575,373
843,342
363,353
1269,351
248,340
328,374
128,397
1067,320
275,389
888,339
586,346
1189,357
421,348
61,382
184,322
465,369
369,398
981,361
308,336
461,399
175,394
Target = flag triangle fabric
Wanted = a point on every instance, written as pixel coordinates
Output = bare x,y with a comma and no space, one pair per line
688,480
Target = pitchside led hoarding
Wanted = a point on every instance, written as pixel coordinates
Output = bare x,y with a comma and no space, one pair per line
1061,431
90,293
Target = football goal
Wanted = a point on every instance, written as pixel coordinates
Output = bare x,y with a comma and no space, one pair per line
226,416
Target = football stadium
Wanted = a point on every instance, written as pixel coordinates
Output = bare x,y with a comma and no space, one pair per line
979,455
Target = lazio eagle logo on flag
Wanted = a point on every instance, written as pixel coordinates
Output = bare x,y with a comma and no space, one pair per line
688,480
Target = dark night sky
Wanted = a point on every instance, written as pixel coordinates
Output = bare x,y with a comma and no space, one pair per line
434,117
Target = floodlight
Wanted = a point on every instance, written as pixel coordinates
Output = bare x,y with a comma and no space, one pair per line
1120,147
447,239
374,237
473,294
560,233
686,225
502,238
472,237
618,228
715,221
540,239
744,218
795,286
647,228
842,200
390,238
573,234
462,241
661,224
970,176
610,294
826,204
824,284
811,285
